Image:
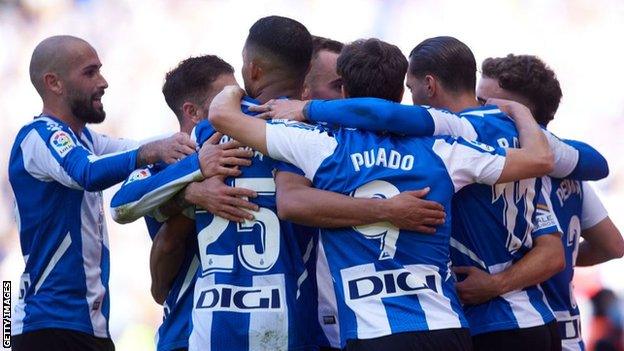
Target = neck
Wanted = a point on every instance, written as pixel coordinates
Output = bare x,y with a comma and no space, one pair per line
63,112
277,87
187,127
459,101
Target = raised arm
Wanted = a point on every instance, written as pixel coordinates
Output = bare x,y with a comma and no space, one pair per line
534,158
144,192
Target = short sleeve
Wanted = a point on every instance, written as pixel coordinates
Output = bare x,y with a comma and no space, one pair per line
566,157
469,161
287,167
302,145
593,209
447,123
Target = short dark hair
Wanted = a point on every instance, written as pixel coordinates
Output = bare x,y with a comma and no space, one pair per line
529,77
322,43
372,68
285,40
191,79
449,60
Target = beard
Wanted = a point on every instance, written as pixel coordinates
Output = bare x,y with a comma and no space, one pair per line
83,109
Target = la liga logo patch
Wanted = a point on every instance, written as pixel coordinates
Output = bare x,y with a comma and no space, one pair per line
61,142
139,174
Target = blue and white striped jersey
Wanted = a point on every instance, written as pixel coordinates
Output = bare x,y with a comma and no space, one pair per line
510,215
387,280
57,178
577,208
253,291
176,326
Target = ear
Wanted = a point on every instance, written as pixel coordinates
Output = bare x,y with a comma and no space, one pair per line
431,85
52,82
190,111
255,70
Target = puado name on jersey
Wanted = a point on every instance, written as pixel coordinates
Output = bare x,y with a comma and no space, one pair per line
381,158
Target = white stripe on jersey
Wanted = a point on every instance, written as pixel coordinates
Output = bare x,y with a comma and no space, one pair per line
192,271
526,314
370,313
327,304
436,307
60,251
304,275
94,238
269,323
466,251
571,340
201,333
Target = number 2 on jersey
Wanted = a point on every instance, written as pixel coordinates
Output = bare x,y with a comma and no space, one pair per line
385,232
265,220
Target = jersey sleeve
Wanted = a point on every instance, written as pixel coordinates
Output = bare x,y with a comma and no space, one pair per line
302,145
590,165
54,153
470,162
144,191
103,144
544,218
382,115
287,167
593,209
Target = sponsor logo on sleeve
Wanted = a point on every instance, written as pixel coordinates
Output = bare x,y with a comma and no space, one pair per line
61,142
544,218
480,146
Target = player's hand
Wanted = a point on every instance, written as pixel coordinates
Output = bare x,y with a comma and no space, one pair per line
410,212
281,109
221,200
222,159
478,286
168,150
512,108
228,100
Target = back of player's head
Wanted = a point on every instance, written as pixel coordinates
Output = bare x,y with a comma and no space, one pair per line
372,68
320,44
529,77
192,79
282,41
448,60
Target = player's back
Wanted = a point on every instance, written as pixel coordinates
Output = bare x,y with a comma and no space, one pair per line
494,226
388,280
253,291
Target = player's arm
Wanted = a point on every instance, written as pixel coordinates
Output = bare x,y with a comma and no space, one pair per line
602,240
542,261
573,159
534,158
299,202
57,155
140,196
167,254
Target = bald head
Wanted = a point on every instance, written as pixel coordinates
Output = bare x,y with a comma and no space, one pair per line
55,55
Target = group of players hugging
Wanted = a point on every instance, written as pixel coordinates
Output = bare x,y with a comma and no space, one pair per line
313,210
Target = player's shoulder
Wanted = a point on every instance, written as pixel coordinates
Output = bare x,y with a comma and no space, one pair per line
56,134
202,132
246,103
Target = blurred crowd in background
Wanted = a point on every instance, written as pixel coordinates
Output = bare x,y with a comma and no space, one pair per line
138,41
